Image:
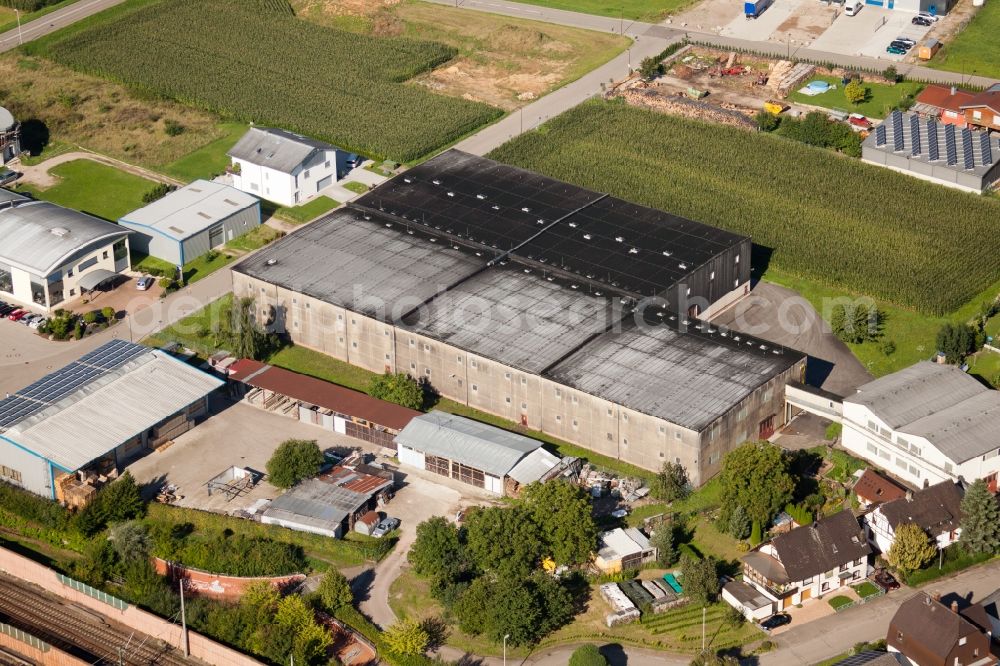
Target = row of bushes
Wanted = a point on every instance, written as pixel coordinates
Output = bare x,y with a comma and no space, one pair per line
224,552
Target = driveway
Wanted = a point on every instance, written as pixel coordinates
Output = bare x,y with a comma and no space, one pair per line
422,496
781,316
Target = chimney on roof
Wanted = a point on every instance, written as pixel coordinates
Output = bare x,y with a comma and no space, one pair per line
954,606
936,595
909,495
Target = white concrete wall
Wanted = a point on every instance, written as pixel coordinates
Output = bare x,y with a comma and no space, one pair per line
34,470
286,189
408,456
292,525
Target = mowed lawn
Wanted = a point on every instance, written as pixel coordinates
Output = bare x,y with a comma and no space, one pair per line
883,97
94,188
976,50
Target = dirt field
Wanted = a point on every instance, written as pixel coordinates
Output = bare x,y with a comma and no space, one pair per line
101,116
502,61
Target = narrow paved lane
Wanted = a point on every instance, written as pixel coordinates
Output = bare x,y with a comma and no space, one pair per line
53,21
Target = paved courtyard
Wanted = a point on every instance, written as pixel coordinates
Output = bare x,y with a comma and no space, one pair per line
235,434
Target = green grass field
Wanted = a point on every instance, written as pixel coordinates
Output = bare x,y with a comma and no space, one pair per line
986,366
840,601
651,11
305,212
882,100
974,50
209,160
94,188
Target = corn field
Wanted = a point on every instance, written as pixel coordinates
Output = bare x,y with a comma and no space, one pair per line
254,61
825,216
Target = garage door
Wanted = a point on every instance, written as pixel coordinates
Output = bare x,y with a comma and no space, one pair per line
324,182
408,456
807,593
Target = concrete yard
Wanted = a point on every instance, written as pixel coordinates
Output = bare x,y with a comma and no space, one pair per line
869,32
235,434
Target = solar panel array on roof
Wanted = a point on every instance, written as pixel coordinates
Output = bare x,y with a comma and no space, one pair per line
532,217
53,387
933,151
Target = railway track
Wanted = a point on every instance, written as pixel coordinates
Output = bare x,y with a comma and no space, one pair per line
57,622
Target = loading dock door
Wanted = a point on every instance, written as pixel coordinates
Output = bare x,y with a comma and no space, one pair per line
339,425
324,182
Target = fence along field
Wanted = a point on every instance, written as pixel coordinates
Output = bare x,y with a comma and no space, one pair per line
254,61
837,220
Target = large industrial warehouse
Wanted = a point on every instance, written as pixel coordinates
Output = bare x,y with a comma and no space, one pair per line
562,309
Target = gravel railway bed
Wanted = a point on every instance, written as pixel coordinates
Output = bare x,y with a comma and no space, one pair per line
81,631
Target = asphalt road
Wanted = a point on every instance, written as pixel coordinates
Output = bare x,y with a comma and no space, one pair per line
54,21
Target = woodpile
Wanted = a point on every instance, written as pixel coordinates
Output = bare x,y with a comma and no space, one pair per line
724,114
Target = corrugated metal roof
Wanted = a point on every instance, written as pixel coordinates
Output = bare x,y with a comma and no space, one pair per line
351,259
939,402
7,196
315,502
276,148
114,407
469,442
39,236
684,378
521,320
191,209
616,544
533,466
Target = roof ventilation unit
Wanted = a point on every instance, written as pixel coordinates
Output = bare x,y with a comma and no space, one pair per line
61,232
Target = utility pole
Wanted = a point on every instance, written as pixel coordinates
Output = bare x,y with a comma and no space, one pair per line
20,40
184,629
505,637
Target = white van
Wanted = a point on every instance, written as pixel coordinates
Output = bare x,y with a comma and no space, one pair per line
852,7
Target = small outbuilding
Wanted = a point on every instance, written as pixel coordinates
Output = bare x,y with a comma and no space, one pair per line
622,549
189,222
10,136
475,453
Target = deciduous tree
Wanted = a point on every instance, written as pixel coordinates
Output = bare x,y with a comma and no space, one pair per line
504,541
587,655
911,549
437,551
334,591
398,388
980,520
855,91
293,461
956,341
671,483
406,637
756,476
565,519
700,578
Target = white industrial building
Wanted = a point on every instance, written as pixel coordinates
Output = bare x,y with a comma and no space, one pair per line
79,426
189,222
50,254
286,168
472,452
926,424
10,136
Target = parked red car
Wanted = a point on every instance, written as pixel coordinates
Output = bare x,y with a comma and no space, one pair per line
17,315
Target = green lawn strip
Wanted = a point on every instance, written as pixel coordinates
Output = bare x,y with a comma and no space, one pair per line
348,552
638,10
210,160
844,464
195,330
254,239
303,213
51,149
28,17
954,559
974,49
840,601
866,589
204,266
94,188
710,541
883,98
355,186
986,365
914,334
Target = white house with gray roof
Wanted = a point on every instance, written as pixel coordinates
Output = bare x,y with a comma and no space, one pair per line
189,222
926,424
50,254
284,167
472,452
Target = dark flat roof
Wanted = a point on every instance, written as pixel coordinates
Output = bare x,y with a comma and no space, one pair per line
504,209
